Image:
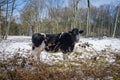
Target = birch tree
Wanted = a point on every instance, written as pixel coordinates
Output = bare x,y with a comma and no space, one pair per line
116,20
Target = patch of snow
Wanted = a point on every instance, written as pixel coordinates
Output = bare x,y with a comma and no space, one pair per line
15,44
50,57
101,44
23,45
18,37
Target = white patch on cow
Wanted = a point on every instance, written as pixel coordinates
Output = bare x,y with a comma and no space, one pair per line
42,46
61,34
78,37
43,34
37,51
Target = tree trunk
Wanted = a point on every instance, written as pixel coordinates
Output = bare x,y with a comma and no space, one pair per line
88,19
6,17
0,22
75,13
115,23
9,22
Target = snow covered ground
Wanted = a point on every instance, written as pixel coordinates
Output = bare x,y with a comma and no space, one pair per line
106,42
23,46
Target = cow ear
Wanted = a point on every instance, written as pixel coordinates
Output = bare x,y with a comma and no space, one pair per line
81,31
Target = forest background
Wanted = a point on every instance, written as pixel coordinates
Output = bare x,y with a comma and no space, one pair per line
24,17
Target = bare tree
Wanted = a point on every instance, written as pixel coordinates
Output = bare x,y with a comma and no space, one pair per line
8,17
75,12
32,16
116,20
2,3
0,21
88,19
4,34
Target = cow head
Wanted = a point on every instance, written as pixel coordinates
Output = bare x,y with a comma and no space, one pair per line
37,39
75,34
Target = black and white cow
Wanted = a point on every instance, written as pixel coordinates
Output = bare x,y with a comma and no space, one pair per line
64,41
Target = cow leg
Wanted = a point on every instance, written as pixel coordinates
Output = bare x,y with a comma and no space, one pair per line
66,61
37,51
65,57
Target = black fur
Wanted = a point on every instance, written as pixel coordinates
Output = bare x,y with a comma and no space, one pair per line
54,42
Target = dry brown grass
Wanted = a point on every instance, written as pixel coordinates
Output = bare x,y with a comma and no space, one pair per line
20,68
